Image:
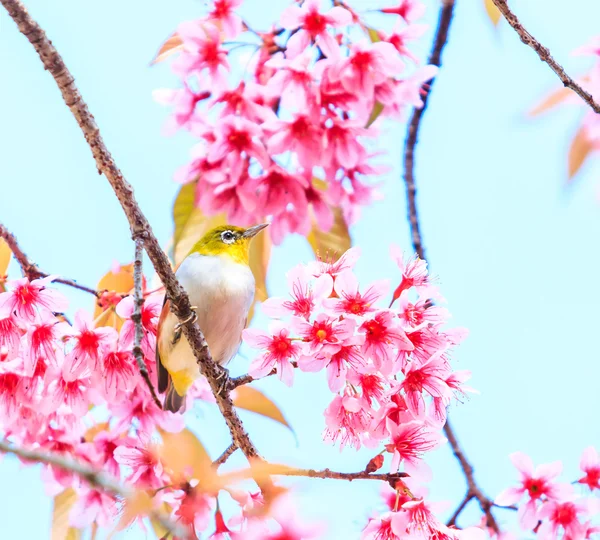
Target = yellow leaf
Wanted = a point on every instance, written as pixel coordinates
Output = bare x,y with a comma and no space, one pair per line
330,245
186,457
5,254
260,254
581,146
159,530
553,99
377,110
492,11
190,223
373,34
120,282
250,399
61,530
107,318
138,504
170,46
91,433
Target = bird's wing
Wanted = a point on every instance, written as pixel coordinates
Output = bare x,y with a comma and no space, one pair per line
163,374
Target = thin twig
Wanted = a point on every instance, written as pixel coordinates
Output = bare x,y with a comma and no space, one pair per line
463,504
544,54
333,475
139,225
225,455
97,479
136,317
30,269
234,382
435,58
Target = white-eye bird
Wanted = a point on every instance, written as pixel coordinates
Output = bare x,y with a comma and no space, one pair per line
217,277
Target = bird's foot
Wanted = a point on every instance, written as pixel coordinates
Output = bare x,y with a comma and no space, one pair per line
177,331
224,379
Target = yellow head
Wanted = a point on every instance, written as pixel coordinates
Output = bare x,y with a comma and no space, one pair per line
228,241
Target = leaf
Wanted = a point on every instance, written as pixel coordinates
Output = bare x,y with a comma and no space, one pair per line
91,433
159,530
377,110
334,243
120,282
492,12
250,399
5,254
190,223
553,99
260,254
186,457
373,34
173,44
138,504
61,530
581,146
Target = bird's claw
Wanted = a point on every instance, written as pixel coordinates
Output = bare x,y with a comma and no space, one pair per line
223,378
192,317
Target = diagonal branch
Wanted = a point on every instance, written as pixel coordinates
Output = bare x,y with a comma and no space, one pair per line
97,479
333,475
30,269
435,58
544,54
224,456
139,225
136,317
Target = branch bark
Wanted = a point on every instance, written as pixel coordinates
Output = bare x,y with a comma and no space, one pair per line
544,54
136,317
225,455
333,475
139,225
435,58
97,479
30,269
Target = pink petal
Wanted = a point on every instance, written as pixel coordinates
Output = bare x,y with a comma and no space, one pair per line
292,17
528,515
286,373
257,339
322,287
273,307
549,470
346,283
260,367
328,45
523,463
589,458
339,16
509,496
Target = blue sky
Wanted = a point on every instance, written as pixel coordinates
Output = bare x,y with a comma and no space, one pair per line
515,251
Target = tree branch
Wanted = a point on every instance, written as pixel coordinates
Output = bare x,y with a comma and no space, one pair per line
435,58
234,382
225,455
30,269
332,475
544,54
97,479
136,317
140,228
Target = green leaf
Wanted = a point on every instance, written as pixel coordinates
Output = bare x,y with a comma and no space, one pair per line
377,110
373,34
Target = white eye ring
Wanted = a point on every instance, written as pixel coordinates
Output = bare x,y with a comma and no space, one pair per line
228,237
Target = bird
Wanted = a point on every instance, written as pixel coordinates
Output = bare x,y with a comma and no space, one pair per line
217,277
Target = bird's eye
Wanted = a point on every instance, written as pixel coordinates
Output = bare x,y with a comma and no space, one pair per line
228,237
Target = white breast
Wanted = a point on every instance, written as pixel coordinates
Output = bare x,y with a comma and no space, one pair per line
222,292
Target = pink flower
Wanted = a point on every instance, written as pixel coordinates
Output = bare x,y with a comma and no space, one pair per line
202,50
409,10
89,344
142,459
342,148
276,189
293,219
409,441
371,383
223,12
536,484
325,334
313,26
422,313
230,198
561,516
319,202
117,371
368,65
305,295
382,337
414,274
184,101
247,100
41,341
10,394
345,262
350,301
150,313
388,526
429,377
9,338
28,299
235,137
195,508
346,419
590,465
280,351
402,34
302,134
92,506
411,90
293,80
69,391
422,521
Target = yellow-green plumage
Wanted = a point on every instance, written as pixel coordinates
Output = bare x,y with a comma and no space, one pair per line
217,277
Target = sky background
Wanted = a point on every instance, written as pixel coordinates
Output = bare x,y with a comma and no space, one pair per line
516,252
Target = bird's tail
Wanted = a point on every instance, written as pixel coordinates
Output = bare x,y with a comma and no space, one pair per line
173,401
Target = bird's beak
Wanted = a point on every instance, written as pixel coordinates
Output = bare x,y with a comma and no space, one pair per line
253,231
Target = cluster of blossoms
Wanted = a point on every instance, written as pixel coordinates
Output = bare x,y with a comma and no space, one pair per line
554,509
298,113
75,390
388,369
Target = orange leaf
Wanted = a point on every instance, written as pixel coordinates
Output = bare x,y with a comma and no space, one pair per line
581,146
119,282
250,399
556,97
260,254
61,530
91,433
173,44
5,254
187,458
332,244
492,11
138,504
